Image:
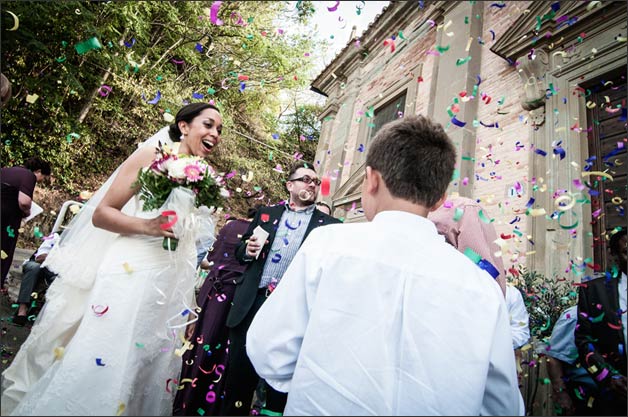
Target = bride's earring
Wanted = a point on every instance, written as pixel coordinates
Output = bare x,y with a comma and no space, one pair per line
181,137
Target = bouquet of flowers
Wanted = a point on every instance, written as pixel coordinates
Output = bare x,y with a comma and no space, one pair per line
169,171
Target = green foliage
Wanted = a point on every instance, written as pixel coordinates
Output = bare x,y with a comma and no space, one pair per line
94,108
545,299
302,125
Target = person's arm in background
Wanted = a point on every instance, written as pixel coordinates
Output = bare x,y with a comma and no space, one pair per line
26,189
519,317
560,396
501,393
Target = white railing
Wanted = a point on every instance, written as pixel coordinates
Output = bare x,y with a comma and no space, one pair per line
59,225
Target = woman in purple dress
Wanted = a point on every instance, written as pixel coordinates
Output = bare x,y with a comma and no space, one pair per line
201,382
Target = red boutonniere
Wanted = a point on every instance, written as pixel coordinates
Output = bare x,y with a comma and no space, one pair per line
265,217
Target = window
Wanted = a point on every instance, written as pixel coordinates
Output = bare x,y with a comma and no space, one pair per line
607,153
391,111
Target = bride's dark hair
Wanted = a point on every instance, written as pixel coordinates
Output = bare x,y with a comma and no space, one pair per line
187,114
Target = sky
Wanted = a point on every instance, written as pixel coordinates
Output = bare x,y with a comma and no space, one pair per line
335,28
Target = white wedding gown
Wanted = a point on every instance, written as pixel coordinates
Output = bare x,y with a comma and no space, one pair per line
109,345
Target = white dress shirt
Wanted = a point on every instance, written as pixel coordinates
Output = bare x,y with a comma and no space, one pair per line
519,317
386,318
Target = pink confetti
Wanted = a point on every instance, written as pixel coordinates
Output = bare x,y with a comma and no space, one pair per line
278,168
448,204
213,13
334,7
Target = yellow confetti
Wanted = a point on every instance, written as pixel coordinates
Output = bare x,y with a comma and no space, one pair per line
4,255
85,195
74,208
248,177
121,408
537,212
526,347
468,44
590,402
598,173
59,351
31,98
127,268
34,295
168,118
566,199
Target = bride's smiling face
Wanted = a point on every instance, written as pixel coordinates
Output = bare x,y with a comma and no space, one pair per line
201,134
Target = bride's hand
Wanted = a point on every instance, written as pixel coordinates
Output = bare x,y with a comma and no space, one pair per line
156,227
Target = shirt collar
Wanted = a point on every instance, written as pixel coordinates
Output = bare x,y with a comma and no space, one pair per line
413,221
308,210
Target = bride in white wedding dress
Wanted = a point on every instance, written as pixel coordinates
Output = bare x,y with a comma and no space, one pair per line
110,337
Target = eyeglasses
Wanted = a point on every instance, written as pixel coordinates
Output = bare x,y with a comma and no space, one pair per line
307,179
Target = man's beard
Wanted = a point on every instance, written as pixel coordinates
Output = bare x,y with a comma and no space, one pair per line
306,197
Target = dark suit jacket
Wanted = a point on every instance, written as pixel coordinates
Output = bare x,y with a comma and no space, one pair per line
598,339
246,290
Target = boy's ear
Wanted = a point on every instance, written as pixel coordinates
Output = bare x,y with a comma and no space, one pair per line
373,180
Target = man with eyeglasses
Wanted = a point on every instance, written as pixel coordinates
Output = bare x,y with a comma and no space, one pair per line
287,226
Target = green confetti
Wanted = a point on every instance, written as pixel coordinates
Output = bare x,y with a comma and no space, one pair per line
473,255
461,61
442,49
88,45
270,156
466,20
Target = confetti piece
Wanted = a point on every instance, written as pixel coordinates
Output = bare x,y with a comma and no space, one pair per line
31,98
325,185
458,214
458,122
598,173
127,268
58,352
156,99
72,136
16,21
213,13
334,7
10,231
88,45
168,213
483,217
104,90
121,408
99,362
100,310
168,118
462,61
